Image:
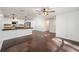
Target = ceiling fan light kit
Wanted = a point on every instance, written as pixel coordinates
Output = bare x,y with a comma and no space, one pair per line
45,11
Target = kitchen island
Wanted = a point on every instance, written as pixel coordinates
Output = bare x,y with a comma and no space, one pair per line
9,34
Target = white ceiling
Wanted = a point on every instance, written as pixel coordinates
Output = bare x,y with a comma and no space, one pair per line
60,10
30,12
20,12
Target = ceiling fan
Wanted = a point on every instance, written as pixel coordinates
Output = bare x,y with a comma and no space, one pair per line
45,11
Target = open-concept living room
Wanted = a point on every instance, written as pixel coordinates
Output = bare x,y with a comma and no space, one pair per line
39,29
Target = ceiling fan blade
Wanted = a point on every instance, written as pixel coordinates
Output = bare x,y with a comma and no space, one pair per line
38,10
39,13
51,11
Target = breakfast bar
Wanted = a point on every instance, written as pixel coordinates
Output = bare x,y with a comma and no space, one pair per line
10,34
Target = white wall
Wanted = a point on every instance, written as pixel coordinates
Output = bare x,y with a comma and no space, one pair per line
39,23
67,25
1,18
52,26
44,24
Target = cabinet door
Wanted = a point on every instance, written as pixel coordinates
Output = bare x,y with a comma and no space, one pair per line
27,24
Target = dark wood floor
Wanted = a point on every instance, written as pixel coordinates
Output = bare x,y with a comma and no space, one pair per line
38,42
